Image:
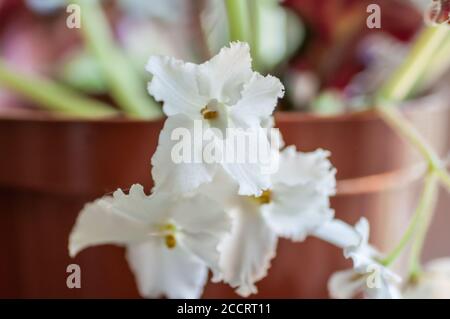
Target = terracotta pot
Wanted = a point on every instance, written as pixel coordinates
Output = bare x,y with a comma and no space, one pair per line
50,168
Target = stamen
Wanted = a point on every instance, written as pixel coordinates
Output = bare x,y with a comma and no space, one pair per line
171,241
264,198
168,231
208,114
168,228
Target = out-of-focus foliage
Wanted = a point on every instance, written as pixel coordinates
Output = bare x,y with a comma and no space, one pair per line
276,32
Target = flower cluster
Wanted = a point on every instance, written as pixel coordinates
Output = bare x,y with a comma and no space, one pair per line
368,276
223,216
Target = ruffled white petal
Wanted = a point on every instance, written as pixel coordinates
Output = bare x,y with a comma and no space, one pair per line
139,206
345,284
362,230
296,211
99,224
381,282
433,283
259,98
175,83
223,189
299,201
362,227
249,176
368,276
338,233
253,162
247,252
301,168
203,225
373,282
274,134
174,175
223,77
439,266
388,286
174,273
362,254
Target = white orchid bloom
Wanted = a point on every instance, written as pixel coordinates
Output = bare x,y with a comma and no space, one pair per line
170,243
221,93
433,282
294,207
368,277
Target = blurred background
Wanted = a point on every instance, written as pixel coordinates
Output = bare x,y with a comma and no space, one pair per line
74,113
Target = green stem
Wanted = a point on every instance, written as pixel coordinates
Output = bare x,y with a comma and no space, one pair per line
444,176
425,221
439,64
255,20
405,129
125,86
426,200
52,96
238,20
415,64
399,88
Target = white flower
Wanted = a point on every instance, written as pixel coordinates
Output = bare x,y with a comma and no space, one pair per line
221,93
246,253
368,276
170,243
299,197
433,283
293,208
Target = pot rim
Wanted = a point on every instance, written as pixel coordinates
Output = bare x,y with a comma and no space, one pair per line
434,101
377,183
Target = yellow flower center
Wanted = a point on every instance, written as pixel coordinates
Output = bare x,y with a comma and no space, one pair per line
264,198
171,241
169,237
209,114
